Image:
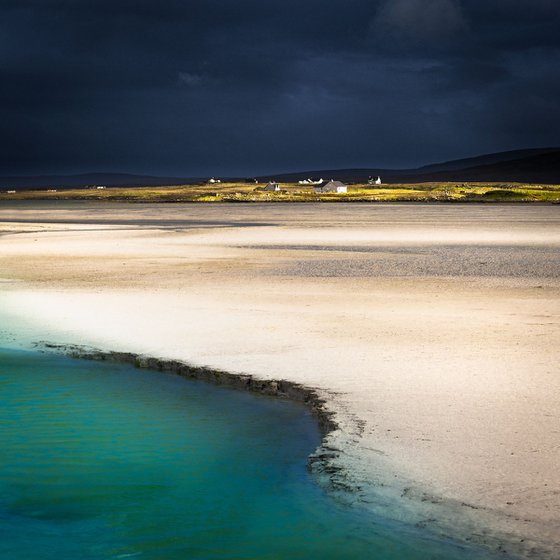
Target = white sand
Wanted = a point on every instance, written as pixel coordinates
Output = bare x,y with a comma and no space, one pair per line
433,330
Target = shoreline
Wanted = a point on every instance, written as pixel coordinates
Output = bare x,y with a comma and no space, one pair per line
331,464
334,478
329,475
277,388
426,412
319,462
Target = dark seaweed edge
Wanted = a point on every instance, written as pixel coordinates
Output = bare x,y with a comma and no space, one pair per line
321,463
273,387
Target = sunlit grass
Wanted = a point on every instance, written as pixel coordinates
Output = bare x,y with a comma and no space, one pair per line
290,192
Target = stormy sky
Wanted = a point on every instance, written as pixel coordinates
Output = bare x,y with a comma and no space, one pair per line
246,87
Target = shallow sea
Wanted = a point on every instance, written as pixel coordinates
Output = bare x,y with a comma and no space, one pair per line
100,461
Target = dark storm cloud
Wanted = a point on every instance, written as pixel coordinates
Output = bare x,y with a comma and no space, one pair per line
246,86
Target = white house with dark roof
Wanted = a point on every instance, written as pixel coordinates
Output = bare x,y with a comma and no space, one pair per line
272,186
331,187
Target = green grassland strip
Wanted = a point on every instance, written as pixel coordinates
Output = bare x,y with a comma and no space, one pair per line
249,192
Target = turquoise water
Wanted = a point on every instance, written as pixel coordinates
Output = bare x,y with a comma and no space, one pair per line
103,461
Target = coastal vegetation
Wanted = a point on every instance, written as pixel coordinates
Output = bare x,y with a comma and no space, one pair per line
293,192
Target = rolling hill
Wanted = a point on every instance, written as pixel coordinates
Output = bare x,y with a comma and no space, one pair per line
540,165
537,165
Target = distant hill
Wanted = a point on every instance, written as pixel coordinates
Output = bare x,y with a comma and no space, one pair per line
91,179
539,165
486,159
537,168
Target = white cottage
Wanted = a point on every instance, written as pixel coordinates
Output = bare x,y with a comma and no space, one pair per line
331,187
272,186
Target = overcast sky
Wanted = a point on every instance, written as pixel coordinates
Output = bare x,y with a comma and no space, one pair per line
244,87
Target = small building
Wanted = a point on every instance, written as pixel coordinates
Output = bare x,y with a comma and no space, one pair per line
331,187
212,181
272,186
372,181
310,181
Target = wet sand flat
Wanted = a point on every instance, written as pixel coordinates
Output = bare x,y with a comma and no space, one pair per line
432,331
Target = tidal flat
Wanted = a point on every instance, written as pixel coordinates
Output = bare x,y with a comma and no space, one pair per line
430,331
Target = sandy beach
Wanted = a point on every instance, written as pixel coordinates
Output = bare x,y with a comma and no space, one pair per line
431,330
